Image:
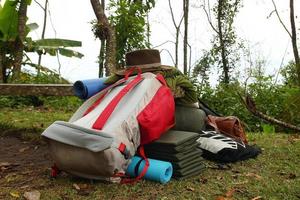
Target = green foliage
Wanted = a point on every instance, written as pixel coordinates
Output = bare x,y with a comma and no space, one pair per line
289,74
53,46
56,103
129,21
278,101
267,128
9,38
225,51
9,21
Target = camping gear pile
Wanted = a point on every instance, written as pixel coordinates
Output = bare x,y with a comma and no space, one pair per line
129,127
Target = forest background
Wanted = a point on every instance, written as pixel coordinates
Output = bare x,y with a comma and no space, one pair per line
227,48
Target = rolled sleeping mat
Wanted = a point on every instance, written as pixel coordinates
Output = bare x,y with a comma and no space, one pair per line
84,89
159,171
189,119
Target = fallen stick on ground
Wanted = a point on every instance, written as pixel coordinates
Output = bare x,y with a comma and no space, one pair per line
250,105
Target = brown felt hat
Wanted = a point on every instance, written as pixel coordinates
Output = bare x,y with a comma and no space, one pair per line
146,59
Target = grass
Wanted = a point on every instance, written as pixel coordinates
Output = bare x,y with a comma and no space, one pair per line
275,174
29,122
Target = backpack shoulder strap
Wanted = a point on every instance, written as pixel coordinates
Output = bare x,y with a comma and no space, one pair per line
106,113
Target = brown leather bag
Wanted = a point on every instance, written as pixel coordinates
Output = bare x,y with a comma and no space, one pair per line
230,126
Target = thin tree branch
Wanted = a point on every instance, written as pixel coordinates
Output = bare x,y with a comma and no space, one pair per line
169,54
279,18
163,43
190,59
281,64
172,14
39,5
44,30
51,22
59,64
209,19
250,105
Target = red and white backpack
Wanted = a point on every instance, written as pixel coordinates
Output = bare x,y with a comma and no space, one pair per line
105,132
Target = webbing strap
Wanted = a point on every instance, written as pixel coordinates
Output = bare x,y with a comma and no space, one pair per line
103,117
144,170
161,79
104,92
137,166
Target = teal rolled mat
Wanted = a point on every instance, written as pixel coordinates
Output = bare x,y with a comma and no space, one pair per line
159,171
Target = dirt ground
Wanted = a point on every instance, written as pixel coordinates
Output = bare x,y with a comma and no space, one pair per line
20,156
19,159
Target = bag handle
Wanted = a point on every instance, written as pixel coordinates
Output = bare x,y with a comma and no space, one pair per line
106,113
131,70
106,90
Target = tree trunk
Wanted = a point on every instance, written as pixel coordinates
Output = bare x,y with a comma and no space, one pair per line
185,39
101,57
19,47
43,33
176,47
294,40
148,31
108,34
2,68
222,45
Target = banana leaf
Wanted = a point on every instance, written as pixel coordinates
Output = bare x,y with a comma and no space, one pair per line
54,42
8,21
32,46
32,26
69,53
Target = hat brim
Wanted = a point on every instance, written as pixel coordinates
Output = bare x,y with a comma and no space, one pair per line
148,69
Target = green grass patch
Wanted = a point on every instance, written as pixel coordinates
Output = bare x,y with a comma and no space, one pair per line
29,122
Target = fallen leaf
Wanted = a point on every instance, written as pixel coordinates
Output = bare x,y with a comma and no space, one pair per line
4,164
189,188
83,186
230,193
256,198
14,194
256,176
76,186
32,195
24,149
24,186
241,183
220,198
293,139
7,165
219,178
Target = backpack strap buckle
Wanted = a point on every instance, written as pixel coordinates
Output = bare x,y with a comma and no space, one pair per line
124,150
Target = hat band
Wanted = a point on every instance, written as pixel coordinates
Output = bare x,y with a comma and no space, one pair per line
150,65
